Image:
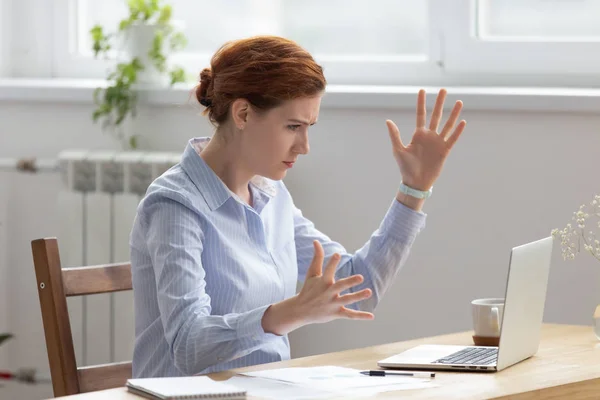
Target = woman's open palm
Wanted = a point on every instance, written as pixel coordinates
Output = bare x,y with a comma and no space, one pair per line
320,300
422,160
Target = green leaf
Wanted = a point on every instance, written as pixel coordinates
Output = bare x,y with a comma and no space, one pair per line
4,337
155,53
100,41
178,41
137,64
135,9
151,9
126,23
165,14
96,47
130,73
157,43
96,33
96,115
120,119
133,142
135,5
177,75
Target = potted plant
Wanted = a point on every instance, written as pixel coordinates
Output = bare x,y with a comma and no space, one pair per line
147,36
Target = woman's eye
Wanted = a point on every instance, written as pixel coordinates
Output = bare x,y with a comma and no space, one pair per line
293,127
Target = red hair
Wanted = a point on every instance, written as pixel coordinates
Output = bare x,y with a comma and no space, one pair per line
265,70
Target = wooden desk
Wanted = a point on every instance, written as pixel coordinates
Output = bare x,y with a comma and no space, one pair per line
567,366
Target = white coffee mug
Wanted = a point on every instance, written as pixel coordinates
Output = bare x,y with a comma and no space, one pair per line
487,317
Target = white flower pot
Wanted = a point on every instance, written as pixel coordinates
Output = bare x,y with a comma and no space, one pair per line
138,39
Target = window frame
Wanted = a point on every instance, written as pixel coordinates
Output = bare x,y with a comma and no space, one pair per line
394,70
28,47
455,56
572,62
67,62
5,37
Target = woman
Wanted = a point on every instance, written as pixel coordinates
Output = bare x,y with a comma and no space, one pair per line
218,246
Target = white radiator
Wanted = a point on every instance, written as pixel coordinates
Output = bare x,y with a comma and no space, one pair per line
97,207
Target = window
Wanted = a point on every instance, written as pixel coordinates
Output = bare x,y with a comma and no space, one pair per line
554,20
25,37
4,32
384,42
537,42
336,27
355,41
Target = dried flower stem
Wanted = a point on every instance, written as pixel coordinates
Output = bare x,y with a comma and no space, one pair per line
591,243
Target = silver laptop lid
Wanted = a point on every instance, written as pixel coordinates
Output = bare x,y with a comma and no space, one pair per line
525,296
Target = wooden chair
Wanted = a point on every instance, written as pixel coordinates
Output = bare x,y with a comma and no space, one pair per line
55,284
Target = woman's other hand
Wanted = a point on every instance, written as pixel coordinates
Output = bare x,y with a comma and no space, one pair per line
319,299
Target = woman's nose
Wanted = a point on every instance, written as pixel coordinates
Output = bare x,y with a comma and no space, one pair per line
303,147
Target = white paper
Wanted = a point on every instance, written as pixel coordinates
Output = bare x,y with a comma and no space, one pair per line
340,379
372,390
276,389
273,389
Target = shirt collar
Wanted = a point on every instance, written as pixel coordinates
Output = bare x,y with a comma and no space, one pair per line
212,188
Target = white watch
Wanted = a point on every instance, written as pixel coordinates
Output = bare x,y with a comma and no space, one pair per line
419,194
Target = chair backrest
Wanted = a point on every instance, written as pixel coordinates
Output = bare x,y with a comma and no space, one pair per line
55,284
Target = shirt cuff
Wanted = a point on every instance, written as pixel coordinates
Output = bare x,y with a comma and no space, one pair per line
402,222
250,325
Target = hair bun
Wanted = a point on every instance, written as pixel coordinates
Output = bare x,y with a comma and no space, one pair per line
202,90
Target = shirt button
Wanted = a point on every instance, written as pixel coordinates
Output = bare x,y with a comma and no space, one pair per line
219,358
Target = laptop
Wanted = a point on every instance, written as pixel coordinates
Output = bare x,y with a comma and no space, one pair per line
529,267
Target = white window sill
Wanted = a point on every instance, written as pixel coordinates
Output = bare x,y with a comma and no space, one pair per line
338,96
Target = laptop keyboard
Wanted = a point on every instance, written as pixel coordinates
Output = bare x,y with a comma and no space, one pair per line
471,356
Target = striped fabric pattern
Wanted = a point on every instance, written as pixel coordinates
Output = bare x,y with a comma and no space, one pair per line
206,266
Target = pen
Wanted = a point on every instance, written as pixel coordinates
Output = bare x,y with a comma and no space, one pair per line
386,373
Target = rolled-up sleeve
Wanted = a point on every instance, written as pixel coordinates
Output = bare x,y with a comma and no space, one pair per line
196,338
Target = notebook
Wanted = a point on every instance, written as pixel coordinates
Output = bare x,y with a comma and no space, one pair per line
192,387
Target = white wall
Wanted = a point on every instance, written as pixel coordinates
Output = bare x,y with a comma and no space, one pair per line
511,179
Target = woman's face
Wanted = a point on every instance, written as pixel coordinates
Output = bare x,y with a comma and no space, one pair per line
273,140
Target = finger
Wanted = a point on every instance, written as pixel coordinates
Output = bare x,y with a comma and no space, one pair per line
438,109
421,110
316,266
354,314
331,267
394,135
354,297
452,119
347,283
457,132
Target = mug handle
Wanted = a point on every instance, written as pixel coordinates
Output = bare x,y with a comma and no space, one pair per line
495,319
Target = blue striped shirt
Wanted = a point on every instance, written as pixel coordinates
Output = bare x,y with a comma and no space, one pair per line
206,266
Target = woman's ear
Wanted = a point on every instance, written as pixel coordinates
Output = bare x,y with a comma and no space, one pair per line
239,112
